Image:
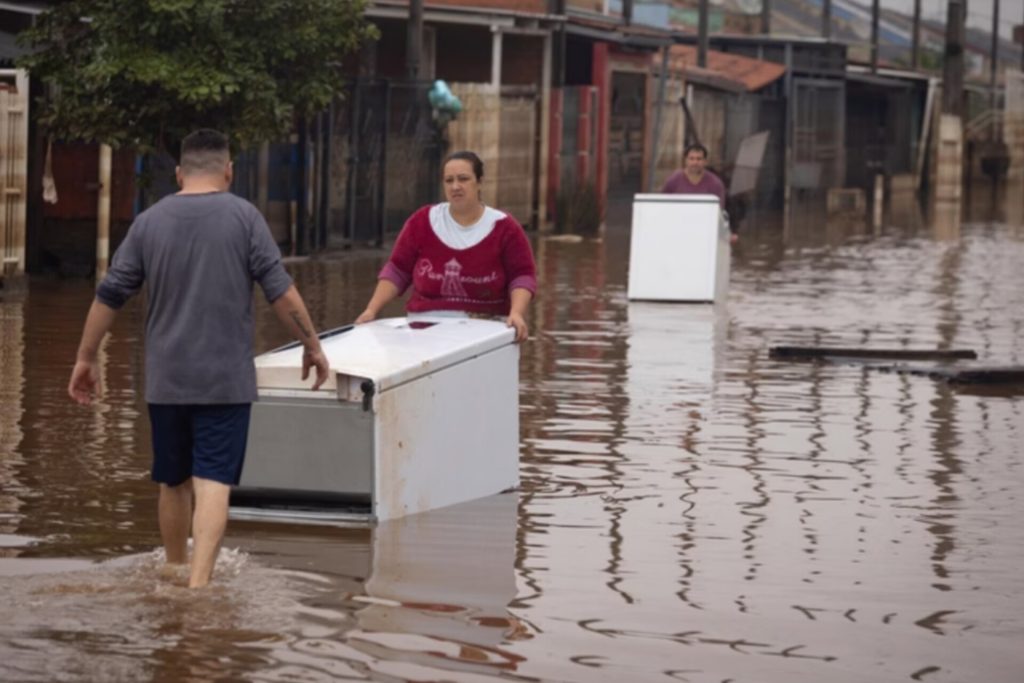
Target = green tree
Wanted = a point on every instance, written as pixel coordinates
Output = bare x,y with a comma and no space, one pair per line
144,73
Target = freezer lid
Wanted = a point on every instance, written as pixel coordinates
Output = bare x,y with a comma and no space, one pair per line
677,198
388,352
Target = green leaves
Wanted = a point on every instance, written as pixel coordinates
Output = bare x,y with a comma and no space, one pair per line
147,72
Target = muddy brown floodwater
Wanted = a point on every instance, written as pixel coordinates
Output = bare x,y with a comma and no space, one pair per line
690,510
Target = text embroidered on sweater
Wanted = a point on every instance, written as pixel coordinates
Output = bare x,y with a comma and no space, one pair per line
452,277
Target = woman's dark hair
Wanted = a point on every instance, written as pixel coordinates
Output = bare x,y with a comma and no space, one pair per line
696,147
471,157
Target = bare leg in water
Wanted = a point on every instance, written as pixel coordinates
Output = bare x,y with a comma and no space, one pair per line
208,525
175,515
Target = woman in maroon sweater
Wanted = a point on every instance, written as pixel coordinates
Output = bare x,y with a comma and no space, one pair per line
461,257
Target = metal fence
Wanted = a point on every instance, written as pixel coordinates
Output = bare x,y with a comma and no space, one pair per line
819,109
385,156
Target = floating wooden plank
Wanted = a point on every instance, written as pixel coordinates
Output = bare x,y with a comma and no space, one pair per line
1011,374
834,352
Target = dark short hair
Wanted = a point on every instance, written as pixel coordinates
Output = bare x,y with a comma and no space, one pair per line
204,151
471,157
695,147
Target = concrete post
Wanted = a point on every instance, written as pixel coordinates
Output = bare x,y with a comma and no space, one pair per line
953,71
878,201
103,213
496,41
263,179
545,151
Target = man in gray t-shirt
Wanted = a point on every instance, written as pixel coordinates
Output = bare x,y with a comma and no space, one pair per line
199,253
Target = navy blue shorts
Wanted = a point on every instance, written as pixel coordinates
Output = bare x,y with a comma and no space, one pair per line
205,441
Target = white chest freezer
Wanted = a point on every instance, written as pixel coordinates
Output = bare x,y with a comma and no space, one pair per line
416,415
679,249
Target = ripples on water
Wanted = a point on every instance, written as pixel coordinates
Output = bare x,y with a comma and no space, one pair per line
690,510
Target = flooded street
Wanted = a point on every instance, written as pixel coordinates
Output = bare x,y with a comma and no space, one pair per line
690,510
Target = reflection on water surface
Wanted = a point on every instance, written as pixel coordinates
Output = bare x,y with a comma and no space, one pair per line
690,509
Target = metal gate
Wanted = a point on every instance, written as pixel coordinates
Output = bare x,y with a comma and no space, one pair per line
819,133
385,160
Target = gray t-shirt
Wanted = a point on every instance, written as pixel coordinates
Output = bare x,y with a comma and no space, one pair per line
199,256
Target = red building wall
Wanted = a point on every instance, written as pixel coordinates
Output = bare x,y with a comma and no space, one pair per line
76,174
67,240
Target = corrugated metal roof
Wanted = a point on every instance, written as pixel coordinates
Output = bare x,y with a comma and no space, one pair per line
728,71
611,29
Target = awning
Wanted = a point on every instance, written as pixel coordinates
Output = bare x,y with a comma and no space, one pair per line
878,81
609,30
521,21
725,70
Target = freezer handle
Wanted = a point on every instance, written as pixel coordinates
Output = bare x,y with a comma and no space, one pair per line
368,390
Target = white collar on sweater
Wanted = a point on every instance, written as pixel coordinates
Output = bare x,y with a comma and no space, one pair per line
462,237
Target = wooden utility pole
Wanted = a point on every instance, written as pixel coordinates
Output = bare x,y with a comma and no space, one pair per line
558,45
414,40
874,35
826,19
994,59
915,41
766,17
702,34
953,64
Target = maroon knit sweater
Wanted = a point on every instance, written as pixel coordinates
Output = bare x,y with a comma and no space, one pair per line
476,280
